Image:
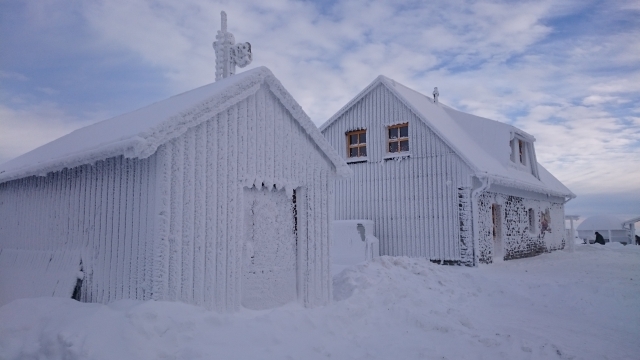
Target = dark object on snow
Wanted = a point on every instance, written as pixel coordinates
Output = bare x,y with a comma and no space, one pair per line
637,240
599,239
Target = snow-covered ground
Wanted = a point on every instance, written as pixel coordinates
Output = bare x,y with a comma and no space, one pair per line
580,305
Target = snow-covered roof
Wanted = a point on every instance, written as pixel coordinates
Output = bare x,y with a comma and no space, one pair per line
602,222
482,143
139,133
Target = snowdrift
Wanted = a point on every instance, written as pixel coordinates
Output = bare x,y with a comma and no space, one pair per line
580,305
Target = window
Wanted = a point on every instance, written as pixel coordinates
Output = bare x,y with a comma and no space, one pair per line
398,138
532,221
545,221
495,217
357,143
519,151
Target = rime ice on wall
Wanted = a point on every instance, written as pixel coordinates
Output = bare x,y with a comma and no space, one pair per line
98,210
519,238
412,200
466,226
171,226
33,273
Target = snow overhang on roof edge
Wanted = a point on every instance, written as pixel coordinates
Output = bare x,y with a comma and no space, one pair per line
145,144
499,180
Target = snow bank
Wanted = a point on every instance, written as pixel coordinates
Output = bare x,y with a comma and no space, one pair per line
352,242
580,305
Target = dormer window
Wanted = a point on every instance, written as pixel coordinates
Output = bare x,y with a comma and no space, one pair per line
398,140
523,154
357,143
519,151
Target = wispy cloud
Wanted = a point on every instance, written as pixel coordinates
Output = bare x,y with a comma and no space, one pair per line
566,71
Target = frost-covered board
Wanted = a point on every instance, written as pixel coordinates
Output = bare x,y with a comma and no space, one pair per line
28,273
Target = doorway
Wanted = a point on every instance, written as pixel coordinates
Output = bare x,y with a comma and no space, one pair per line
269,265
496,216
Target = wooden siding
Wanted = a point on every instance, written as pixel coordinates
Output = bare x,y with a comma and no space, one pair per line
254,143
413,200
170,227
99,210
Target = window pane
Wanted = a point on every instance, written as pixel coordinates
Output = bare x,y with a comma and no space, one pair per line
353,139
404,145
363,138
393,133
353,152
393,147
363,151
404,131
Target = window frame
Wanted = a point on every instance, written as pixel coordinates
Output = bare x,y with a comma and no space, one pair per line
358,145
398,139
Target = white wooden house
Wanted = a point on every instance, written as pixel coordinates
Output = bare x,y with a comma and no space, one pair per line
218,197
442,184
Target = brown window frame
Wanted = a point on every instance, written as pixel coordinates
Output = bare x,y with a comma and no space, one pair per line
357,145
398,139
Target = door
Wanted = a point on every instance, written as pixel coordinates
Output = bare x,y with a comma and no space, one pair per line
498,254
269,251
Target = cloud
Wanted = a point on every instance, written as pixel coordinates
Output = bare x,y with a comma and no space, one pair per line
24,129
565,71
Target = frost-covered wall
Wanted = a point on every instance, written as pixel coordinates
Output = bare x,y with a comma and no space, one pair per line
413,199
515,237
172,226
101,210
255,144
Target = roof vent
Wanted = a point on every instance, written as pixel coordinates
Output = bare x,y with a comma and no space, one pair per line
435,95
228,53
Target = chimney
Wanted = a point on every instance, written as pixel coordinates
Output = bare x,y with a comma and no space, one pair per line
435,95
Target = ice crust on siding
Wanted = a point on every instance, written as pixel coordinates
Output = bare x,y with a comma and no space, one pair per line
31,273
482,143
139,133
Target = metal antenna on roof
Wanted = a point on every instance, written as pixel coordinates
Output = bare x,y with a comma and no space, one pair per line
228,53
435,95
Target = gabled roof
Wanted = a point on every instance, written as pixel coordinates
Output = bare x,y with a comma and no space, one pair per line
139,133
482,143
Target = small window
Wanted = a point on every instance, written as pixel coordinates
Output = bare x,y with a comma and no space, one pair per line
545,221
532,221
398,138
521,151
357,143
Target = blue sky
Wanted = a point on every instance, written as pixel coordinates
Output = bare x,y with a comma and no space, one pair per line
567,72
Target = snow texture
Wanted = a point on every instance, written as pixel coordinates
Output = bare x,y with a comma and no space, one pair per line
352,242
25,274
580,306
602,222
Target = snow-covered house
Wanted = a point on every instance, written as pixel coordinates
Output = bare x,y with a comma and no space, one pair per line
218,197
440,183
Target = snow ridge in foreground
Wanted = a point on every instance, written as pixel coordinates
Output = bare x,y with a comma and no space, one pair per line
579,305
